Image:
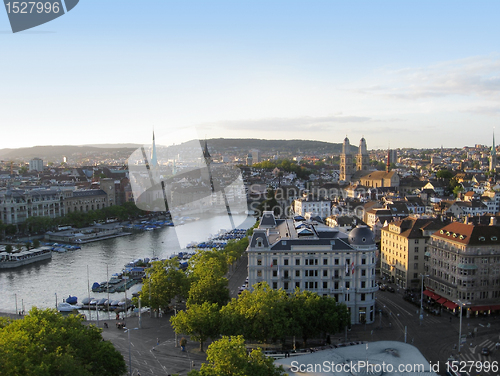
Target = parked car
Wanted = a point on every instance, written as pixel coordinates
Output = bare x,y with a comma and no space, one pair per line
390,289
382,287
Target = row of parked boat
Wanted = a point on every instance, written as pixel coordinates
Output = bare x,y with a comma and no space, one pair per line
148,225
61,248
220,241
70,304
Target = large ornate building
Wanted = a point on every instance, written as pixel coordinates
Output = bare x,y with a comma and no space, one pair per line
290,254
357,169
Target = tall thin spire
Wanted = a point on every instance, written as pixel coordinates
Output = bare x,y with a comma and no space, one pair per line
154,161
493,155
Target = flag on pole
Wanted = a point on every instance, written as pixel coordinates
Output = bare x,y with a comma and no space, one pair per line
352,267
271,264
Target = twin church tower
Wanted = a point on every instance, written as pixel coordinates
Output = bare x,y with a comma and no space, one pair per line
347,166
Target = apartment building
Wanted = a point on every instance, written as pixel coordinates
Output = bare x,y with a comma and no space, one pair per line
403,245
463,263
303,206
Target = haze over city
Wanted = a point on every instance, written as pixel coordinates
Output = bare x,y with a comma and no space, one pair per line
419,75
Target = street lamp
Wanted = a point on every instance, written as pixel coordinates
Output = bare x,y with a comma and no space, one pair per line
422,297
460,329
129,350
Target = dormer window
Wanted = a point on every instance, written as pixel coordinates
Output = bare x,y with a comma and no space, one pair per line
259,242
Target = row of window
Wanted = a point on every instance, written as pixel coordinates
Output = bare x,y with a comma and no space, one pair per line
312,261
337,273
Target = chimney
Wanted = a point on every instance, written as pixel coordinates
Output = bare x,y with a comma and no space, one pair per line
493,221
466,221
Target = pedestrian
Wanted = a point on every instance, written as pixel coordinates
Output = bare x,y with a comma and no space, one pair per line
455,346
157,341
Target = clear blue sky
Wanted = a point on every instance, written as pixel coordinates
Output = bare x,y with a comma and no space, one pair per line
408,73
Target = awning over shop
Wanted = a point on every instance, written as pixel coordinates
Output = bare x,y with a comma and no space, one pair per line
480,308
450,305
442,300
495,307
435,297
428,293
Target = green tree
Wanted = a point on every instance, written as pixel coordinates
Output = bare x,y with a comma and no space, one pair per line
270,203
8,248
208,284
207,262
2,229
258,315
44,343
228,357
381,166
210,289
36,243
163,283
444,174
199,321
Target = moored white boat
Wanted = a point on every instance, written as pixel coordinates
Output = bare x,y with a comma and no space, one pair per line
66,307
15,259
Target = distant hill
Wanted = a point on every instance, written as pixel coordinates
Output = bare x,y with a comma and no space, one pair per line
293,146
115,146
220,145
58,151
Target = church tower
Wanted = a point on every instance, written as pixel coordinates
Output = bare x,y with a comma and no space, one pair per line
493,157
153,162
346,162
362,159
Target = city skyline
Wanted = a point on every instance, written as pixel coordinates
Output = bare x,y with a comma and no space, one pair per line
401,75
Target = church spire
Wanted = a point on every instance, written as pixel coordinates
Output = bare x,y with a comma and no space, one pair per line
206,154
154,161
493,155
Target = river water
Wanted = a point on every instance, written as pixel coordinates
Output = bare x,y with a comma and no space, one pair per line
71,272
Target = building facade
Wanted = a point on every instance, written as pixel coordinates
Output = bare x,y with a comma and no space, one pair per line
36,164
290,254
17,205
463,264
313,208
402,248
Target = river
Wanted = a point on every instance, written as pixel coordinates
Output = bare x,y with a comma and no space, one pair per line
66,273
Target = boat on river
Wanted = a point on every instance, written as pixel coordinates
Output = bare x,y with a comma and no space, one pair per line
66,307
16,259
